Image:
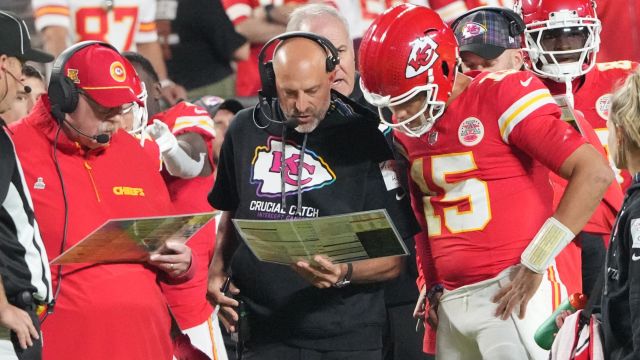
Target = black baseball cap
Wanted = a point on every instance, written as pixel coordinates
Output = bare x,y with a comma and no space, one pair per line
488,32
214,103
15,40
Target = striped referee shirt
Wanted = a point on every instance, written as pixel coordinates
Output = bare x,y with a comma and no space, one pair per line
23,260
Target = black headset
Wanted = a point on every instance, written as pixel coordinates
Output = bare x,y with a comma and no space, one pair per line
63,92
516,23
267,75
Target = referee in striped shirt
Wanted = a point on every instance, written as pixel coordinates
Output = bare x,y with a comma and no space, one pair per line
25,279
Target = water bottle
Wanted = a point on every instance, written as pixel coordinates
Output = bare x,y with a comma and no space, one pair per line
547,331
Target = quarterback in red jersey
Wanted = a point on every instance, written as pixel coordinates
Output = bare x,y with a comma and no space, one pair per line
475,162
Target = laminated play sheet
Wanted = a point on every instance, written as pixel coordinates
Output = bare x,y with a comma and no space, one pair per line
343,238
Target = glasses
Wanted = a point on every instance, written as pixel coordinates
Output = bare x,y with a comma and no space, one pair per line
104,112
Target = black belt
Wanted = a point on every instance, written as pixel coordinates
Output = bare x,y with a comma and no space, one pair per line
24,300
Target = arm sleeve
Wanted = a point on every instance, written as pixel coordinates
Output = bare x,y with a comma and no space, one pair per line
51,13
193,118
427,274
224,195
238,10
220,34
530,118
146,31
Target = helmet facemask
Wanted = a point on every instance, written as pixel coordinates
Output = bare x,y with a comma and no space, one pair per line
140,115
551,63
417,124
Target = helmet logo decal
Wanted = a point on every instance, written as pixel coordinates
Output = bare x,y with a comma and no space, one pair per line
423,55
473,29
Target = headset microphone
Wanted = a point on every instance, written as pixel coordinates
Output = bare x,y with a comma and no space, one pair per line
27,88
292,123
100,138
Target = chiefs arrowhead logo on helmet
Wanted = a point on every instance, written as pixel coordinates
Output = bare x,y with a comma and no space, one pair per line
473,29
423,55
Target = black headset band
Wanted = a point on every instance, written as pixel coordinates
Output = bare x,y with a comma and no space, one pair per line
516,23
320,40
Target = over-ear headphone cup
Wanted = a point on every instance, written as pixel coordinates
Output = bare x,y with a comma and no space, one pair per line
74,95
330,64
269,81
63,93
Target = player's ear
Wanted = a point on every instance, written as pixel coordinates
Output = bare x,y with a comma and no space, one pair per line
156,92
518,58
4,59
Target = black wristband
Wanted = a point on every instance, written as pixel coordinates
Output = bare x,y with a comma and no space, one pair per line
347,277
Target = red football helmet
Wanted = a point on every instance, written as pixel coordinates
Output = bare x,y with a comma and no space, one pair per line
407,51
551,19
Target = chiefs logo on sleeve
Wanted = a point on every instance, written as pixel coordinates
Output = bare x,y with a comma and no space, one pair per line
423,55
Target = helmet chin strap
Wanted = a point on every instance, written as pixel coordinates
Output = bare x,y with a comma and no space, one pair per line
568,83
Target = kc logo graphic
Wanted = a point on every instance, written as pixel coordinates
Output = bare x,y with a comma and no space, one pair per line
267,163
292,163
473,29
423,55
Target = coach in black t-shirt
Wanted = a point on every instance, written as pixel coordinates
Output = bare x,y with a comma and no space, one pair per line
333,164
25,279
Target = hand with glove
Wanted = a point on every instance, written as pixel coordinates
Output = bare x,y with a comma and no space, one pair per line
176,159
160,132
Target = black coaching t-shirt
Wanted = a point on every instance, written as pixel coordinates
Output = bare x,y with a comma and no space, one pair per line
346,168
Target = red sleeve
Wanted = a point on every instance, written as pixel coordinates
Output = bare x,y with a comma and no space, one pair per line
238,10
530,118
427,275
186,276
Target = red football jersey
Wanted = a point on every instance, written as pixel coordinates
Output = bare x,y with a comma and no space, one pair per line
619,16
121,23
593,99
483,187
188,300
248,78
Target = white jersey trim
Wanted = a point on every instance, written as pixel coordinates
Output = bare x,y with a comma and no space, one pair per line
522,108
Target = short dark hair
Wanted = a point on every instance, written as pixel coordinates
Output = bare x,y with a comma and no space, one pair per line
32,72
141,61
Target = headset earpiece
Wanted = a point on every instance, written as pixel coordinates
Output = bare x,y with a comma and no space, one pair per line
331,63
268,79
63,93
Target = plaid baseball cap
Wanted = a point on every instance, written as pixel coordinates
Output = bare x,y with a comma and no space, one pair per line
103,74
15,40
486,32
